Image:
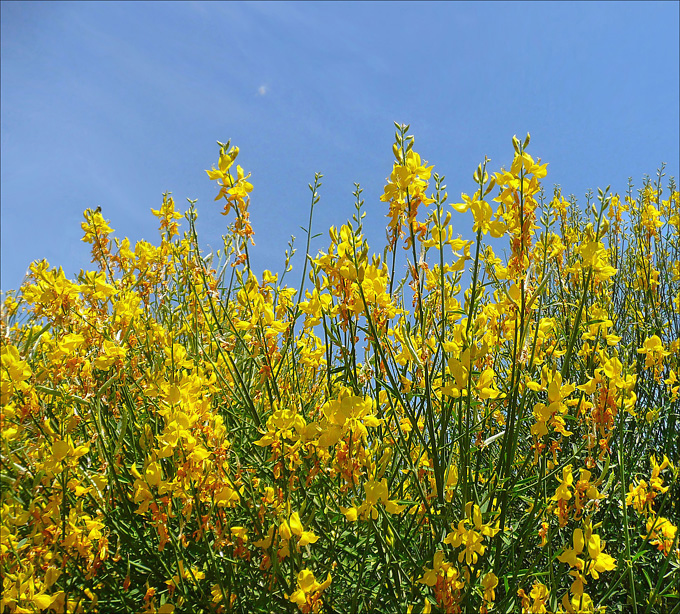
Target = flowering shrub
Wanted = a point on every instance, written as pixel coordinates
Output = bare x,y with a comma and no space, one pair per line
486,433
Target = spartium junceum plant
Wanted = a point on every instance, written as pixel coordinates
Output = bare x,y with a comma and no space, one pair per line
494,430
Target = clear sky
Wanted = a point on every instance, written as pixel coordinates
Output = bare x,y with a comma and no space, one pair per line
111,104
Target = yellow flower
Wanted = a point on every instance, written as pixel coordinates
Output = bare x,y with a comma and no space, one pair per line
661,533
490,582
14,372
266,541
570,556
654,352
94,227
350,513
307,586
306,537
563,493
224,163
599,560
110,353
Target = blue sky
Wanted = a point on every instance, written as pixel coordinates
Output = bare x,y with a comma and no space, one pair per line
111,104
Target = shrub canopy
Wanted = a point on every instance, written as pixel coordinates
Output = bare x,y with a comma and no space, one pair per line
495,429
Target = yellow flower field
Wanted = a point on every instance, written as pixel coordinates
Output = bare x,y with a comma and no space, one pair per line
497,430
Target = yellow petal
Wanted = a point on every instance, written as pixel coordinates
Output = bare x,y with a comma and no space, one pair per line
295,524
350,513
42,601
306,580
308,537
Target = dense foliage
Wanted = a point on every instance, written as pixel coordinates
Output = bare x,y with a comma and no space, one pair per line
486,432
